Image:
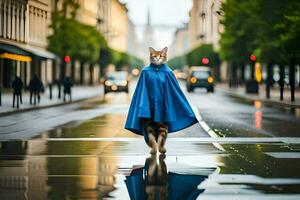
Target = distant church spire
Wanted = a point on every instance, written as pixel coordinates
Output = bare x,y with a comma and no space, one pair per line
148,17
148,37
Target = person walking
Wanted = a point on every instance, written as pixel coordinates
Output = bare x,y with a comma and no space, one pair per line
68,84
17,86
35,87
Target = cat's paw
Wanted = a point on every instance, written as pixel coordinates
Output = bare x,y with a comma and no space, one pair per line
162,157
153,151
162,150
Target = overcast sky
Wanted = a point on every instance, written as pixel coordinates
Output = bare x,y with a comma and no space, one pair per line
168,12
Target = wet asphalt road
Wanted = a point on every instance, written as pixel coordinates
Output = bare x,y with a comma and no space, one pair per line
81,151
235,117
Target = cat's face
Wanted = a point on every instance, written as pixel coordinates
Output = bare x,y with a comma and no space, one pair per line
158,57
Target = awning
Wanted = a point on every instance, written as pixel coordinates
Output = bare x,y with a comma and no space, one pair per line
38,52
13,49
27,50
17,57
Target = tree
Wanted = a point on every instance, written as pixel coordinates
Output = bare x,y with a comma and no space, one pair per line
136,62
289,29
73,38
267,28
194,57
238,39
177,62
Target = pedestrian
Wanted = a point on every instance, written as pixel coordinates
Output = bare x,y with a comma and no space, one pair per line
17,86
35,88
158,105
68,84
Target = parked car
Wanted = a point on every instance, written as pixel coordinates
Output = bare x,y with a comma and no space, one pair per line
116,82
200,77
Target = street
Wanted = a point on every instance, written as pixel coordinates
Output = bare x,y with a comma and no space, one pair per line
82,151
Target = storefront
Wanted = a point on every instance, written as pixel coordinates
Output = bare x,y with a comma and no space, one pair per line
24,61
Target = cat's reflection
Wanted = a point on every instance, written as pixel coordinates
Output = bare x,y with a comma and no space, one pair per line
156,177
155,182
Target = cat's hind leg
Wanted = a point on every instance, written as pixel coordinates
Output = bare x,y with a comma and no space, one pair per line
150,137
162,137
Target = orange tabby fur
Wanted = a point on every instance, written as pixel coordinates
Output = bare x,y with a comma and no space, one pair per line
158,57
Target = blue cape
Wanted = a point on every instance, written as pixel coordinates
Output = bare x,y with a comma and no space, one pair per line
180,186
159,97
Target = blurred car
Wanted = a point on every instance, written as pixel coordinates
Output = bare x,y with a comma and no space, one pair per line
135,72
200,77
179,74
116,82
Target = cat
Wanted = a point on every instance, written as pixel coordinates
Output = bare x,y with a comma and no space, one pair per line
157,132
158,57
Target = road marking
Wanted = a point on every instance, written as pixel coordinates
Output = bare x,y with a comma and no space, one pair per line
206,128
251,179
207,196
292,155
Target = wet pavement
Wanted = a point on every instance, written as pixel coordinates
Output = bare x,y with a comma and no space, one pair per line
81,151
236,117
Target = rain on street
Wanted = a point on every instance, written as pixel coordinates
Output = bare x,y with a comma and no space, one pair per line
81,150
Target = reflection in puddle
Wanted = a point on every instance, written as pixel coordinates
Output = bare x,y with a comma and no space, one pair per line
258,119
153,181
258,115
108,125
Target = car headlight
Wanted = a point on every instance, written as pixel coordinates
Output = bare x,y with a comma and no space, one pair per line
210,79
193,80
108,83
123,83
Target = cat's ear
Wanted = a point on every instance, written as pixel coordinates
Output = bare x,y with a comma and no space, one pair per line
151,50
164,50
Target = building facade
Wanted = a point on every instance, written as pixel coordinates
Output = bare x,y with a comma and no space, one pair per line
113,19
181,42
204,25
134,45
194,31
23,40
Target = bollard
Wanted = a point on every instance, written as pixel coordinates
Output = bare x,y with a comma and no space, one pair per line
50,90
59,90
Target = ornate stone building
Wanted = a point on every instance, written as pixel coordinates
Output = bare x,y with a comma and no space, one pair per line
204,25
23,40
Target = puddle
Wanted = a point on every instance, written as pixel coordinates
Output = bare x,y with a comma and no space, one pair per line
40,168
154,181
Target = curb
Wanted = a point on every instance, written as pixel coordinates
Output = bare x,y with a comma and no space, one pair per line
266,101
47,106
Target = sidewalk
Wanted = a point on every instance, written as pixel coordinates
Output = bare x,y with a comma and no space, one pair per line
78,93
274,99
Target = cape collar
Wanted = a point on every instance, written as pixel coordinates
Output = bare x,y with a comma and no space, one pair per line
158,67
